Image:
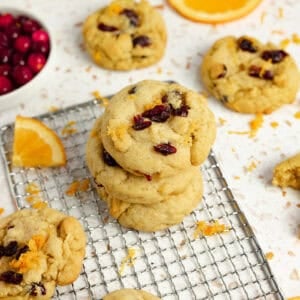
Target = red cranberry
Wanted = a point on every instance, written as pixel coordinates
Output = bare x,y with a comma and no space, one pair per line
132,16
40,36
21,19
42,47
11,277
30,26
36,62
22,74
159,113
5,85
22,43
12,32
140,123
6,20
107,28
19,59
165,149
141,40
4,43
5,70
5,55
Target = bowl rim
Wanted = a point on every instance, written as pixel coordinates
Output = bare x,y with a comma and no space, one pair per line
19,11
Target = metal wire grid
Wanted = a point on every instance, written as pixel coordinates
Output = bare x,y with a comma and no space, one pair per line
171,264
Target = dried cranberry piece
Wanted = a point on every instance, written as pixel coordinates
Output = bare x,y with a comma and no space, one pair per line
141,40
132,90
164,99
35,286
276,56
223,73
11,277
140,123
268,75
107,28
11,249
159,113
165,149
148,177
108,159
254,71
22,250
182,111
132,16
246,45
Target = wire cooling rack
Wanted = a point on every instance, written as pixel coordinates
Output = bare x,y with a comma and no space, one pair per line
171,264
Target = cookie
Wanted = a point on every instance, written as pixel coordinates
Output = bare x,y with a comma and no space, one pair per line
157,216
248,76
155,128
126,186
39,249
130,294
287,173
125,35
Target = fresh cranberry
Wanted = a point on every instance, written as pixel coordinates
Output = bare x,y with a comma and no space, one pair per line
4,43
5,85
36,62
5,55
6,20
42,47
12,32
40,36
22,74
22,43
30,26
18,59
21,19
5,70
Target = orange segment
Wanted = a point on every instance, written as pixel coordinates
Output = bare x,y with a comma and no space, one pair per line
214,11
36,145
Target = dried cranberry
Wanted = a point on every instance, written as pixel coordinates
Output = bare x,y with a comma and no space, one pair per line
182,111
223,73
268,75
108,159
132,16
141,40
35,286
246,45
140,123
276,56
104,27
11,249
148,177
11,277
254,71
224,99
165,149
132,90
22,250
164,99
159,113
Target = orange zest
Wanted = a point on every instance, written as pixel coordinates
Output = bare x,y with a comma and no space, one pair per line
36,145
214,11
208,229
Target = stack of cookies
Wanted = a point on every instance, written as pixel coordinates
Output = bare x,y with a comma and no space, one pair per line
145,152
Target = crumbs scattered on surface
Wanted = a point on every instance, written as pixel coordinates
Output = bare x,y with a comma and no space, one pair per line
280,12
128,260
236,177
207,229
222,121
288,204
283,192
53,108
295,275
274,124
159,6
297,115
78,186
34,197
280,32
1,210
69,128
269,255
284,43
296,38
238,132
291,253
262,17
255,124
159,70
102,100
252,166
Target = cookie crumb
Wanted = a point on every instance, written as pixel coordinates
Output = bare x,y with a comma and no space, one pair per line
262,17
128,260
274,124
280,12
222,121
288,204
69,128
255,124
78,186
291,253
236,177
209,229
238,132
283,192
295,275
297,115
53,108
269,255
252,166
280,32
39,204
1,210
296,38
159,70
284,43
104,101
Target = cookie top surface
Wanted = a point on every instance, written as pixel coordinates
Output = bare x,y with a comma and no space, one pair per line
125,35
156,216
157,128
248,76
39,249
287,173
130,294
126,186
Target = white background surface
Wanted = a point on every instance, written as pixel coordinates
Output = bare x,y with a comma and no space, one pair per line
72,77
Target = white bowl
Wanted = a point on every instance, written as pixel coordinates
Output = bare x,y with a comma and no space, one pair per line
27,90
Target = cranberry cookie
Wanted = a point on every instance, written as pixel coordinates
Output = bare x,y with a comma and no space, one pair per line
155,128
39,249
287,173
125,35
126,186
248,76
156,216
130,294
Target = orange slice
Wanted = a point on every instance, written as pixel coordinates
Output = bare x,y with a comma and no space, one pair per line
36,145
214,11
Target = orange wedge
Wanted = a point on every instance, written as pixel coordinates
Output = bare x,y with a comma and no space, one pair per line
36,145
214,11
